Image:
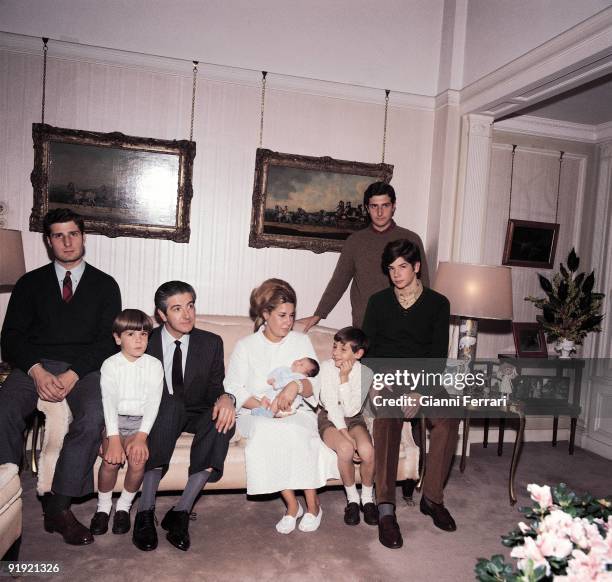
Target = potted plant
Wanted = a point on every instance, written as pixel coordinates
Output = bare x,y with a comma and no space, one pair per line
570,309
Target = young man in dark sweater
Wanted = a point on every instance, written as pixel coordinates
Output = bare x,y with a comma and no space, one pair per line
409,321
359,261
56,334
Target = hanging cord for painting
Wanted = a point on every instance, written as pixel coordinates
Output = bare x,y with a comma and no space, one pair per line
264,74
561,154
384,143
193,97
511,180
44,78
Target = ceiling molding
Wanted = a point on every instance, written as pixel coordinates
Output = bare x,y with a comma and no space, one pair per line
449,98
604,132
63,50
579,55
544,127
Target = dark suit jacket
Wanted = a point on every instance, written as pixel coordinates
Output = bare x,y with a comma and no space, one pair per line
204,369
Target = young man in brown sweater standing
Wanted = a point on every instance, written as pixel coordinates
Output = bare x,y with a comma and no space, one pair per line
359,261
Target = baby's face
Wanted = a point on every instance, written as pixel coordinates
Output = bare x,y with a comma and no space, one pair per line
302,366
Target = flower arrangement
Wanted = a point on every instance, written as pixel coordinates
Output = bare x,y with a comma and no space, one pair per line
570,309
567,538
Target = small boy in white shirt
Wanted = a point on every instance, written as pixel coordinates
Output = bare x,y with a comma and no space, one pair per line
345,383
132,384
279,378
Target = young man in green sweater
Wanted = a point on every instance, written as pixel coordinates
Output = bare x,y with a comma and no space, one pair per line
410,322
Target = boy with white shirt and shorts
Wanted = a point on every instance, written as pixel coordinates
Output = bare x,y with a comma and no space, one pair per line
345,383
132,384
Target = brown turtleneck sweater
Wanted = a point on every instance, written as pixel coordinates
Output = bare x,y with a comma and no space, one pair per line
360,261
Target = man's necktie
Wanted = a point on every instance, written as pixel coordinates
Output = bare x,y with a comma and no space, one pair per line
67,288
177,370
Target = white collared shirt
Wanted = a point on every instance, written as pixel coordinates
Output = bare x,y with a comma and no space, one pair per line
75,274
342,400
132,389
168,347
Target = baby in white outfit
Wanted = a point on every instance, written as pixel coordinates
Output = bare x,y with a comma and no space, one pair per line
279,378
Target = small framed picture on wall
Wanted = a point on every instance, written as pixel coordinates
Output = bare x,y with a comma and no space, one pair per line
530,244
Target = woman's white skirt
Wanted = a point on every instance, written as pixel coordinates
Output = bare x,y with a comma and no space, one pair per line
285,453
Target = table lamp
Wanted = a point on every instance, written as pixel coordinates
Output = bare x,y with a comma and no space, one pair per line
475,292
12,265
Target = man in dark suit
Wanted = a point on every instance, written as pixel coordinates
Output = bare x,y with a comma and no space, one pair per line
193,401
56,334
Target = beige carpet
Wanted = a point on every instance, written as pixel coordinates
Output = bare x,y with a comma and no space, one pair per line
233,538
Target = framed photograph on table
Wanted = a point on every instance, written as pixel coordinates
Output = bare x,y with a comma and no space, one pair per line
305,202
121,185
529,340
530,244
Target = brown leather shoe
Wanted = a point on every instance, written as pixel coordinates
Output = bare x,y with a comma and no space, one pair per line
389,533
73,532
441,517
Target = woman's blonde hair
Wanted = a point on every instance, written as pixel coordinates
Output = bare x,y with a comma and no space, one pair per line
269,295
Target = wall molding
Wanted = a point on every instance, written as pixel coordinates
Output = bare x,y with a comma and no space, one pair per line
71,51
580,54
544,127
531,125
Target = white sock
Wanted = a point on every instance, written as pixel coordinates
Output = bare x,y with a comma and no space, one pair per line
124,503
367,494
105,501
351,493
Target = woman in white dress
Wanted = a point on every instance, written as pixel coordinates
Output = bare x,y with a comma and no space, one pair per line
282,454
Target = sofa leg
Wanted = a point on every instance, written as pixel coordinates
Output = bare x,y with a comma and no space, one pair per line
12,554
408,487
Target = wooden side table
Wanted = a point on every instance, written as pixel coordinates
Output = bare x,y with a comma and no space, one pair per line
513,409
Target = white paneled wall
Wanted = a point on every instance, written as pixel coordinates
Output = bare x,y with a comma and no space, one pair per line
534,196
218,262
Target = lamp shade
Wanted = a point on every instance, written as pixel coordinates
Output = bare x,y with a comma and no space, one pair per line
476,291
12,265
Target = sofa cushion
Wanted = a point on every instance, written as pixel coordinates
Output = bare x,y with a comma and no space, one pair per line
10,486
234,327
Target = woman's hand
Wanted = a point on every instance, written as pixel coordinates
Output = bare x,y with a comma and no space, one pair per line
285,399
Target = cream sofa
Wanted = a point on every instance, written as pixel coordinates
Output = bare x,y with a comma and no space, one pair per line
10,511
231,329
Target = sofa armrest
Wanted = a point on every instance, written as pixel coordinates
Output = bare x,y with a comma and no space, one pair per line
57,419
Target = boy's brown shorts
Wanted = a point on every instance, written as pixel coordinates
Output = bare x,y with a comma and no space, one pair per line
324,423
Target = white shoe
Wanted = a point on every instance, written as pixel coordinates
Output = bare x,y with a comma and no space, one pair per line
287,524
311,522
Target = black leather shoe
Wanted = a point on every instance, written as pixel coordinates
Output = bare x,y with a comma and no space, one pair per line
144,534
99,523
73,531
370,513
176,523
440,515
121,522
351,514
389,533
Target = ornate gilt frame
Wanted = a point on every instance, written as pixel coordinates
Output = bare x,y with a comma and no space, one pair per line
264,159
113,224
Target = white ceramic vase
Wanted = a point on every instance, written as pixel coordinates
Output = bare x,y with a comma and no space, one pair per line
565,348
